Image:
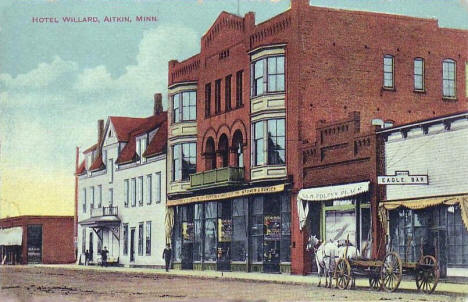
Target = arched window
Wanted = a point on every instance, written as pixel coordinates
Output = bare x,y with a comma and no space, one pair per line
237,148
223,149
210,156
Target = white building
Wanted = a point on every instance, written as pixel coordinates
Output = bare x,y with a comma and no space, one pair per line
426,188
122,191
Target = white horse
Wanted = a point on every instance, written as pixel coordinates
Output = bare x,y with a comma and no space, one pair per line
325,255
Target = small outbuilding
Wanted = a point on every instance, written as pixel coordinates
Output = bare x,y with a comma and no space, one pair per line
36,239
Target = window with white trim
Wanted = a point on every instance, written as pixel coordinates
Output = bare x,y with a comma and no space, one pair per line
83,198
449,68
268,75
158,187
184,161
388,76
149,188
274,151
419,74
111,197
110,170
140,191
133,188
148,238
126,193
184,106
91,192
99,205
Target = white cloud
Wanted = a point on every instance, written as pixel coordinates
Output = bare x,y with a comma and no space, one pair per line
49,110
42,76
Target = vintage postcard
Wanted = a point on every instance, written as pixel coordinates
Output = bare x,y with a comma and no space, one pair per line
233,150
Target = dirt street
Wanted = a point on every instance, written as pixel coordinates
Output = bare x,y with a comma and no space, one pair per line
57,284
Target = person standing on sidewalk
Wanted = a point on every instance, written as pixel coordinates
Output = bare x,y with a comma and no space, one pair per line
86,260
167,254
104,257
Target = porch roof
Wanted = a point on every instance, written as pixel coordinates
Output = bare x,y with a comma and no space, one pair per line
100,221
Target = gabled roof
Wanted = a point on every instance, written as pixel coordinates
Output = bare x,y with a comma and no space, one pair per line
124,125
97,164
148,124
159,142
81,168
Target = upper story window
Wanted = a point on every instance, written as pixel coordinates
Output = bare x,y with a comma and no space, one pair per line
184,106
449,68
239,75
111,197
217,96
388,79
141,143
227,93
208,100
184,160
274,152
268,75
99,205
126,192
419,74
83,198
110,169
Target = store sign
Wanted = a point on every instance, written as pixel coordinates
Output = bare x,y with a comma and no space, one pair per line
225,195
403,178
333,192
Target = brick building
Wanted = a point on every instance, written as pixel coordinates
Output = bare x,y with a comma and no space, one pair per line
243,109
37,239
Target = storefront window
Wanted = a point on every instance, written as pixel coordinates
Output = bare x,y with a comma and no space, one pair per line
256,231
339,225
197,244
210,231
224,231
457,238
239,232
188,231
272,227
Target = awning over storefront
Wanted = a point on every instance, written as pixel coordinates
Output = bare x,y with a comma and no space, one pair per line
11,236
100,221
422,203
324,194
226,195
169,224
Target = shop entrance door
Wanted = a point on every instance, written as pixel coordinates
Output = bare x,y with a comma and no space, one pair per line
271,243
440,235
91,250
187,255
132,245
34,244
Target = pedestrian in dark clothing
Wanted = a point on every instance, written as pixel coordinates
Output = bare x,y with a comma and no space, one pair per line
167,254
86,260
104,257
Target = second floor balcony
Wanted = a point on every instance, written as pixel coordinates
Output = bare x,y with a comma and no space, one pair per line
217,178
105,211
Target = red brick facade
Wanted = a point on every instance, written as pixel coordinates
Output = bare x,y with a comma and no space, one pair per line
57,237
334,66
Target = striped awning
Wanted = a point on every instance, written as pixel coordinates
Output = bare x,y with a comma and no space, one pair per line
422,203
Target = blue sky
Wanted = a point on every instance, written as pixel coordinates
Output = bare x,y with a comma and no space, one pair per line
57,80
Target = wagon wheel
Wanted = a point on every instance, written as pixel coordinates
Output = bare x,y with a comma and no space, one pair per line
375,282
342,273
391,272
427,275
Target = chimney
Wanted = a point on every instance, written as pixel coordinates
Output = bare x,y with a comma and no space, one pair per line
100,130
158,108
249,21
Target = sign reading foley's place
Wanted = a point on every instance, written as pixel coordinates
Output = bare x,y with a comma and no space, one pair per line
403,178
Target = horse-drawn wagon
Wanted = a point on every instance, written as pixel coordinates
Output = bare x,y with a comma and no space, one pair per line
387,273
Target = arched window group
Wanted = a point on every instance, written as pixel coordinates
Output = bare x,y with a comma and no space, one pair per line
223,153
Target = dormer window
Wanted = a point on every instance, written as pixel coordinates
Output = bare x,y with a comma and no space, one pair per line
110,133
141,147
